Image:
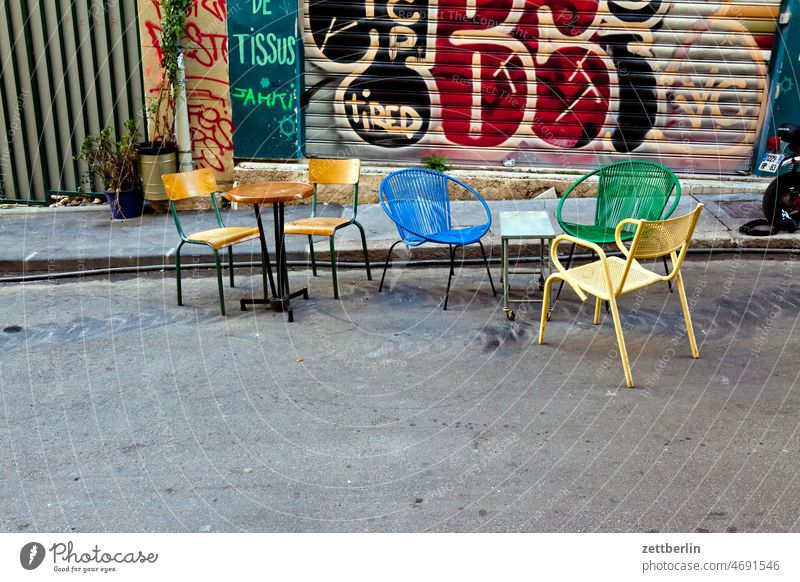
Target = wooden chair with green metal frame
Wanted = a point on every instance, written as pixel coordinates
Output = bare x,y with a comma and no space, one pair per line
202,183
330,172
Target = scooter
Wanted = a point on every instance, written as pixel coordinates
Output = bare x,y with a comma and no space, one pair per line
781,202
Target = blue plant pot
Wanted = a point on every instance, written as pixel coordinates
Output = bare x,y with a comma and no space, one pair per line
126,204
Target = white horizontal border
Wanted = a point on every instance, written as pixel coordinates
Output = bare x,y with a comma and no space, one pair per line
404,557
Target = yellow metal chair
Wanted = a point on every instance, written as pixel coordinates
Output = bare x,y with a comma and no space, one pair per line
340,172
202,183
611,277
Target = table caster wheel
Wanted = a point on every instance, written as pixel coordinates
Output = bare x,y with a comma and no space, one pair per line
510,315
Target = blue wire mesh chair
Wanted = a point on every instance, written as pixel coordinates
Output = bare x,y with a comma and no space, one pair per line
418,202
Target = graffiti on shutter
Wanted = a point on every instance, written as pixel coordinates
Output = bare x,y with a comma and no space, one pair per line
568,83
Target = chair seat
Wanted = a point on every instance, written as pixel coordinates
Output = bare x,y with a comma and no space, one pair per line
224,237
590,277
598,234
453,236
320,226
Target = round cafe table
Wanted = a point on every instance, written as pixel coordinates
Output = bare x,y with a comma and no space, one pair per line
277,194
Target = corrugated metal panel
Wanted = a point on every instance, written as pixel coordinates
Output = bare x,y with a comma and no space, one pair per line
67,68
565,83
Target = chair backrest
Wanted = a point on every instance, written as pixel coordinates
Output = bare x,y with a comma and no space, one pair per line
332,171
324,171
634,189
418,200
656,238
189,184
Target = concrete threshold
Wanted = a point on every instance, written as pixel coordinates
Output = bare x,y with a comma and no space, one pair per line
492,183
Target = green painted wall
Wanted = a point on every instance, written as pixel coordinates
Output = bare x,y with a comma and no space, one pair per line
265,59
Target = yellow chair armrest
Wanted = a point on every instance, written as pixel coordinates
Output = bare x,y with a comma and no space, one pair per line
618,234
564,272
578,241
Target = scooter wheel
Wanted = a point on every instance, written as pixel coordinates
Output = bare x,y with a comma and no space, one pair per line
511,315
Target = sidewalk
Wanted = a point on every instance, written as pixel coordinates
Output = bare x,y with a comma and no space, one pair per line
66,239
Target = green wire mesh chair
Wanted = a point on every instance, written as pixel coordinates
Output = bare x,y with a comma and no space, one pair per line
634,189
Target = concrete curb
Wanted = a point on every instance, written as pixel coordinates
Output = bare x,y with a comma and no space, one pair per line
81,238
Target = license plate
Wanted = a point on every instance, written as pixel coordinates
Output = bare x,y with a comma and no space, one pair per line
770,163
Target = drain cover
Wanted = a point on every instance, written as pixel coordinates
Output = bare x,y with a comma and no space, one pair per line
742,208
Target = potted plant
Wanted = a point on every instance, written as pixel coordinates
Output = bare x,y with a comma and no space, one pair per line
436,163
114,163
159,155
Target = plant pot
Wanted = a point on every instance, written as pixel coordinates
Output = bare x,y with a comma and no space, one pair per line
156,158
126,204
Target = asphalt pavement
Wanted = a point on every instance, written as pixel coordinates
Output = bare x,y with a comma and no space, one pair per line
381,412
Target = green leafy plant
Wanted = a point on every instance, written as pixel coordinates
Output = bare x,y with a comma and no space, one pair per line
111,161
436,163
160,108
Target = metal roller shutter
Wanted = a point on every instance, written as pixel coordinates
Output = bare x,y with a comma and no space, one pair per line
547,83
67,69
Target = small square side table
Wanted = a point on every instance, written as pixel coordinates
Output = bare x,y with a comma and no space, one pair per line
525,225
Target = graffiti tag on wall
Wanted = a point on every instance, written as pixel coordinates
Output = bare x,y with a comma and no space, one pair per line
373,41
265,56
488,79
206,59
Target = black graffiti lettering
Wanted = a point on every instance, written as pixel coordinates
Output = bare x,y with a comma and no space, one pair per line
638,98
638,95
642,14
389,114
388,103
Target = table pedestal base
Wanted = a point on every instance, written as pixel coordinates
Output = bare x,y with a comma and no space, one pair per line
277,296
282,304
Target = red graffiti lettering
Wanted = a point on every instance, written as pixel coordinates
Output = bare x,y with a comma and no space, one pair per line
485,66
480,77
211,127
216,8
206,49
572,97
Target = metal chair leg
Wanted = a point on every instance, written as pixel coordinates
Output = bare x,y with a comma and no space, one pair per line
450,276
364,246
623,353
488,272
313,258
548,289
178,272
666,271
265,262
687,316
561,285
333,270
219,281
230,264
385,266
